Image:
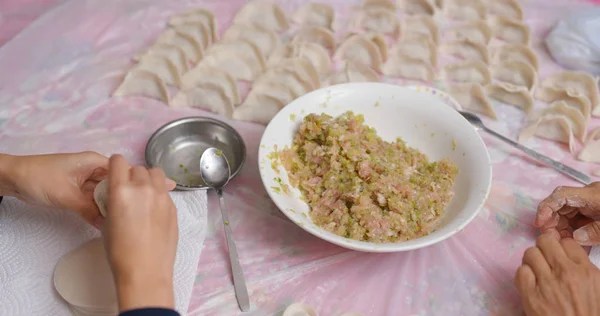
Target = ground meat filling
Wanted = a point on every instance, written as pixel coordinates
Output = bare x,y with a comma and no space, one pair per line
361,187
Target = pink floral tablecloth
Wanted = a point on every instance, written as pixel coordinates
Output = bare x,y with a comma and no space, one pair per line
61,60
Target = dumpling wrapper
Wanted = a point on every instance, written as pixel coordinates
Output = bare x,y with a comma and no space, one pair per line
196,16
317,55
280,92
573,97
516,72
399,65
266,40
316,34
353,72
261,112
101,196
236,65
591,150
264,14
83,278
303,67
173,53
201,75
360,49
417,48
206,96
475,31
419,26
376,38
473,71
506,8
140,82
472,98
314,13
511,31
517,52
577,121
291,75
466,49
554,128
510,94
241,47
198,31
465,10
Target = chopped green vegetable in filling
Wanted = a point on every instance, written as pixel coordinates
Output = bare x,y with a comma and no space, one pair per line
362,187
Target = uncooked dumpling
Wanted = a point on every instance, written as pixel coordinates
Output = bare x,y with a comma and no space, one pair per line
473,71
417,48
317,55
171,52
471,97
516,72
573,97
464,10
316,34
198,31
202,75
241,47
360,49
511,31
265,40
555,128
261,112
313,13
207,96
577,121
293,80
202,16
419,26
264,14
399,65
192,49
591,150
376,38
506,8
416,7
282,93
162,67
301,67
581,81
238,66
299,309
83,277
353,72
516,51
377,20
101,196
475,31
140,82
466,49
510,94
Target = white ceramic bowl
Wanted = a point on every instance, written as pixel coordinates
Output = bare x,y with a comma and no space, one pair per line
421,119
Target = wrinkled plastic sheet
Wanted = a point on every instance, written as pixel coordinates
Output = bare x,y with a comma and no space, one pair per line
57,76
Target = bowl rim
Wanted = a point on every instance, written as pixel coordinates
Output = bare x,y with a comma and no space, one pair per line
364,246
188,119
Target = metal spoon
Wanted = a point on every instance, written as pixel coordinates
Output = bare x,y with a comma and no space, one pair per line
476,121
215,172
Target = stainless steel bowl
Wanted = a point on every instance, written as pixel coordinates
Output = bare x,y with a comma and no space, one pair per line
177,146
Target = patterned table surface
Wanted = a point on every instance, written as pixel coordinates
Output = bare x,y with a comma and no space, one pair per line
61,60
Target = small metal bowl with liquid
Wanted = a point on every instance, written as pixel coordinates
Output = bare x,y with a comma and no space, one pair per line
177,146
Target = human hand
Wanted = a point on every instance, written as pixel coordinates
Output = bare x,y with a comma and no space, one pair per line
141,235
557,278
62,181
569,212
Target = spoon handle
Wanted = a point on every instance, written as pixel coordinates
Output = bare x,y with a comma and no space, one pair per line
546,160
239,284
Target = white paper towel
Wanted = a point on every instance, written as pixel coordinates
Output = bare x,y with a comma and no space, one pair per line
32,240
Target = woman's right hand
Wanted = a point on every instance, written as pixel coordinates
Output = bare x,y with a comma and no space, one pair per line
141,235
570,211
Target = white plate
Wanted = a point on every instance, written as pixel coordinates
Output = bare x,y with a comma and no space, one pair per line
420,119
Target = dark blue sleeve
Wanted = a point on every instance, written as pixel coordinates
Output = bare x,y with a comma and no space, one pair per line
150,312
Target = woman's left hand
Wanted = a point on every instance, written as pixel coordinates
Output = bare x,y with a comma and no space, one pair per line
62,181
